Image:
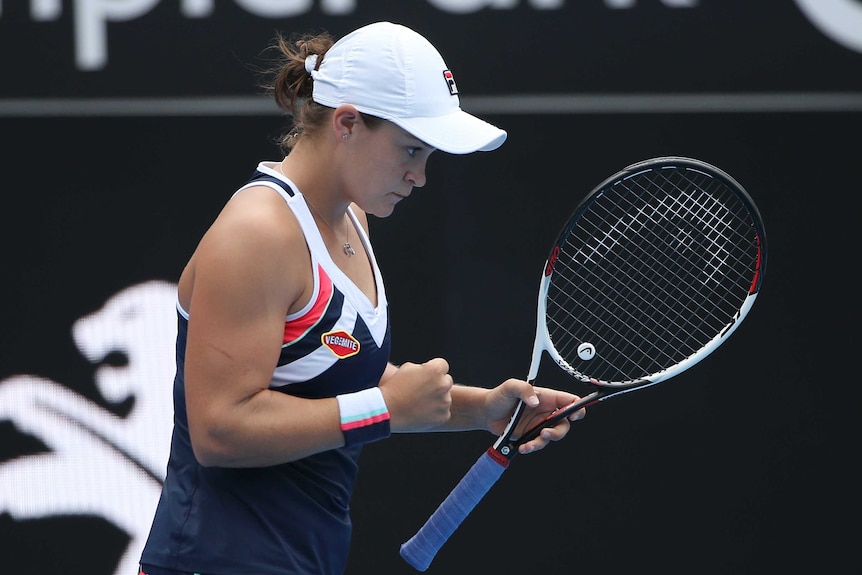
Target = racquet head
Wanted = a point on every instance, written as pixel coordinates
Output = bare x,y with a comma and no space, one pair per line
655,268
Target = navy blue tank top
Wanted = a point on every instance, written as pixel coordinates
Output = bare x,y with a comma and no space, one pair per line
292,518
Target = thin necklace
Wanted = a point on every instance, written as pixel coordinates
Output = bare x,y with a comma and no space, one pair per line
348,249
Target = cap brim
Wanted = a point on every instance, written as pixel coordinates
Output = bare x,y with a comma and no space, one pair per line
456,133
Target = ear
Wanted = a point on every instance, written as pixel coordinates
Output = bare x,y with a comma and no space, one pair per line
344,119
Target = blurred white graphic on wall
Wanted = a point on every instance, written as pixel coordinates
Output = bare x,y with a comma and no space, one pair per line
100,464
840,20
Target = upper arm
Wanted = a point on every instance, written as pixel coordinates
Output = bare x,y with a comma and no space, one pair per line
248,271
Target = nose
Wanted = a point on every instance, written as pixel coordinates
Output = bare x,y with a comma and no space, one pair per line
416,177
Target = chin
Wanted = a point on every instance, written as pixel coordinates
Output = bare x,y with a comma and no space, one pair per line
382,212
384,209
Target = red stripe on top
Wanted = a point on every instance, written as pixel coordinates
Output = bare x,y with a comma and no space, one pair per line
365,422
295,328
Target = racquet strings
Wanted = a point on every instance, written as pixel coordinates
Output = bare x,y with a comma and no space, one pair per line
651,270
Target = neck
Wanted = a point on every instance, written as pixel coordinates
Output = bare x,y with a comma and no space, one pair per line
315,186
337,213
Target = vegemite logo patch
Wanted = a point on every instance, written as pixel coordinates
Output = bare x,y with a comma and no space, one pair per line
340,343
450,81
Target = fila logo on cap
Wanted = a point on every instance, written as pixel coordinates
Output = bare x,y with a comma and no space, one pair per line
450,81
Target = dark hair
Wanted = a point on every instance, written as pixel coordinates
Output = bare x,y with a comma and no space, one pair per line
290,84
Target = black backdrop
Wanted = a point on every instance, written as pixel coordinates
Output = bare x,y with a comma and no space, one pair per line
746,464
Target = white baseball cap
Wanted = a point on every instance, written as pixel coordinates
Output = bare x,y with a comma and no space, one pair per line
389,71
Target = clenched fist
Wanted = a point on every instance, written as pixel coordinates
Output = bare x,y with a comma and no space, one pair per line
418,396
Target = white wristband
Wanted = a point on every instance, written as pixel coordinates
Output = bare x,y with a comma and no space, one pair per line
364,416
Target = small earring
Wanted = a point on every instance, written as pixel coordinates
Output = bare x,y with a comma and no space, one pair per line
345,136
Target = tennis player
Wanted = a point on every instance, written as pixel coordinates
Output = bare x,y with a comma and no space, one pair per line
283,368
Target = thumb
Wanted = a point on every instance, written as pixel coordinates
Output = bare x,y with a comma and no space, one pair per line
524,391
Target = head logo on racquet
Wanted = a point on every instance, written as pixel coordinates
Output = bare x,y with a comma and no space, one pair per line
586,351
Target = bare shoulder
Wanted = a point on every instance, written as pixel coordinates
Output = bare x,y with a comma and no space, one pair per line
254,249
259,214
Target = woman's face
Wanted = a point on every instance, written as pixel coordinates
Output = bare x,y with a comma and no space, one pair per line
385,164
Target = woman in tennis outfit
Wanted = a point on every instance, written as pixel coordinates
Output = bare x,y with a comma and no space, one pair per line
283,343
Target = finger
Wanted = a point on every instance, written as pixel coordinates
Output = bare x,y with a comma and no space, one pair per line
554,433
555,397
547,435
557,432
578,415
533,445
438,364
564,401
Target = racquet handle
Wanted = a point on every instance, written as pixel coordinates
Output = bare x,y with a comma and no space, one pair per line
420,550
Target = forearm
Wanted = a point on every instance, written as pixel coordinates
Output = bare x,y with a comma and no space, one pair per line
468,410
269,428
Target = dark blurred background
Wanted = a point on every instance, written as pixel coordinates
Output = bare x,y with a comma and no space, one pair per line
124,128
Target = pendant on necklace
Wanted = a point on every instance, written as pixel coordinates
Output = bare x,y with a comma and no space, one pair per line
348,249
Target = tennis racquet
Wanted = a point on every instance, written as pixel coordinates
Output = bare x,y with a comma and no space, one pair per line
655,269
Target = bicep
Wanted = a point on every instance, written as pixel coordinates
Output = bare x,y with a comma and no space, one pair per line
245,280
232,347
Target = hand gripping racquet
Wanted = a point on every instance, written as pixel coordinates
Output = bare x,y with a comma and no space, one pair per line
656,267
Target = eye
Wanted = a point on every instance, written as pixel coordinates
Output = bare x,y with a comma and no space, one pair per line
412,150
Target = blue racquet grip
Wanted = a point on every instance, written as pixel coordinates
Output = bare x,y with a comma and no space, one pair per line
420,550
